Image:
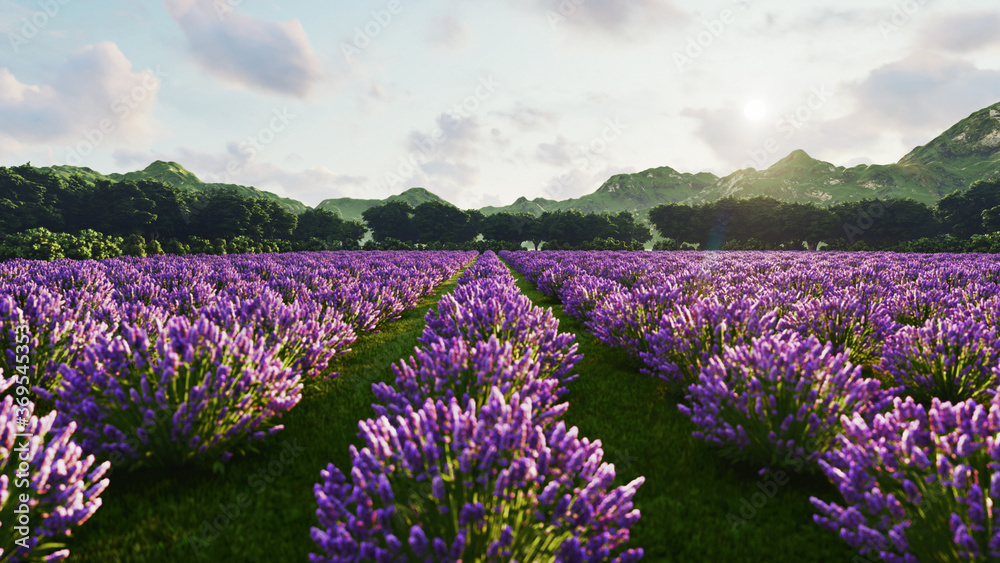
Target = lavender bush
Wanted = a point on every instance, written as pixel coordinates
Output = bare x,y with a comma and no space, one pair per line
304,337
494,307
952,360
690,335
56,332
777,401
455,368
917,484
47,486
447,483
187,391
850,320
582,294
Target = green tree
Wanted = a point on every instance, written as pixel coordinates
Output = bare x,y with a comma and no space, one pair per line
961,213
32,244
26,203
351,233
679,222
135,245
317,223
628,230
991,220
223,213
502,227
435,221
393,219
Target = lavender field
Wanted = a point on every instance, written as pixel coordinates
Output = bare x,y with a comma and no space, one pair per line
879,370
142,397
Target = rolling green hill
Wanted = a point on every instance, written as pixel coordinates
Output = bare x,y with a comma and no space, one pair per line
351,209
966,152
176,175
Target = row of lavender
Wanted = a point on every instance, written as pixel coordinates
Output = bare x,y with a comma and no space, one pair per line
469,458
169,360
880,370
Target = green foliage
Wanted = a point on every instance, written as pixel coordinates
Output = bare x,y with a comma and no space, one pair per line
226,214
666,244
241,245
748,244
985,243
75,247
436,221
135,245
393,219
199,245
731,223
174,246
33,244
970,212
219,246
153,248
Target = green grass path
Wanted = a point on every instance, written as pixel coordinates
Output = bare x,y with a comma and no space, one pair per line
689,488
262,508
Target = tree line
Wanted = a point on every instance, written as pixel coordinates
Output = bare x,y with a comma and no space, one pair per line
46,216
34,199
767,223
38,210
432,222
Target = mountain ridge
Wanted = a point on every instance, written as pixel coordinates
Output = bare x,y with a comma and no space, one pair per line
965,152
172,173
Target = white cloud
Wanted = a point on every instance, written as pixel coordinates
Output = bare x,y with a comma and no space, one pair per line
962,32
449,32
95,97
275,56
615,17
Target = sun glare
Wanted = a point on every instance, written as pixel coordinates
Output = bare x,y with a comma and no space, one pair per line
755,110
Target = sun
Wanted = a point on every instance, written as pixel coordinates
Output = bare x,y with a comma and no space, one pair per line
755,110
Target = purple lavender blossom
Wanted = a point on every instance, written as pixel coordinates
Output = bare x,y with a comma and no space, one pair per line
952,360
917,484
185,391
442,483
777,401
468,371
47,486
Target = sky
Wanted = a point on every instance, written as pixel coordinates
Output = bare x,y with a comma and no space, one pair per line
483,102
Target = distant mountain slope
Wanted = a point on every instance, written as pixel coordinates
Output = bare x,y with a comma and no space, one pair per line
966,152
176,175
351,209
800,178
970,149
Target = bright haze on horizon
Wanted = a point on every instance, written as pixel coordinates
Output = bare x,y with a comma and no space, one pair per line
482,102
